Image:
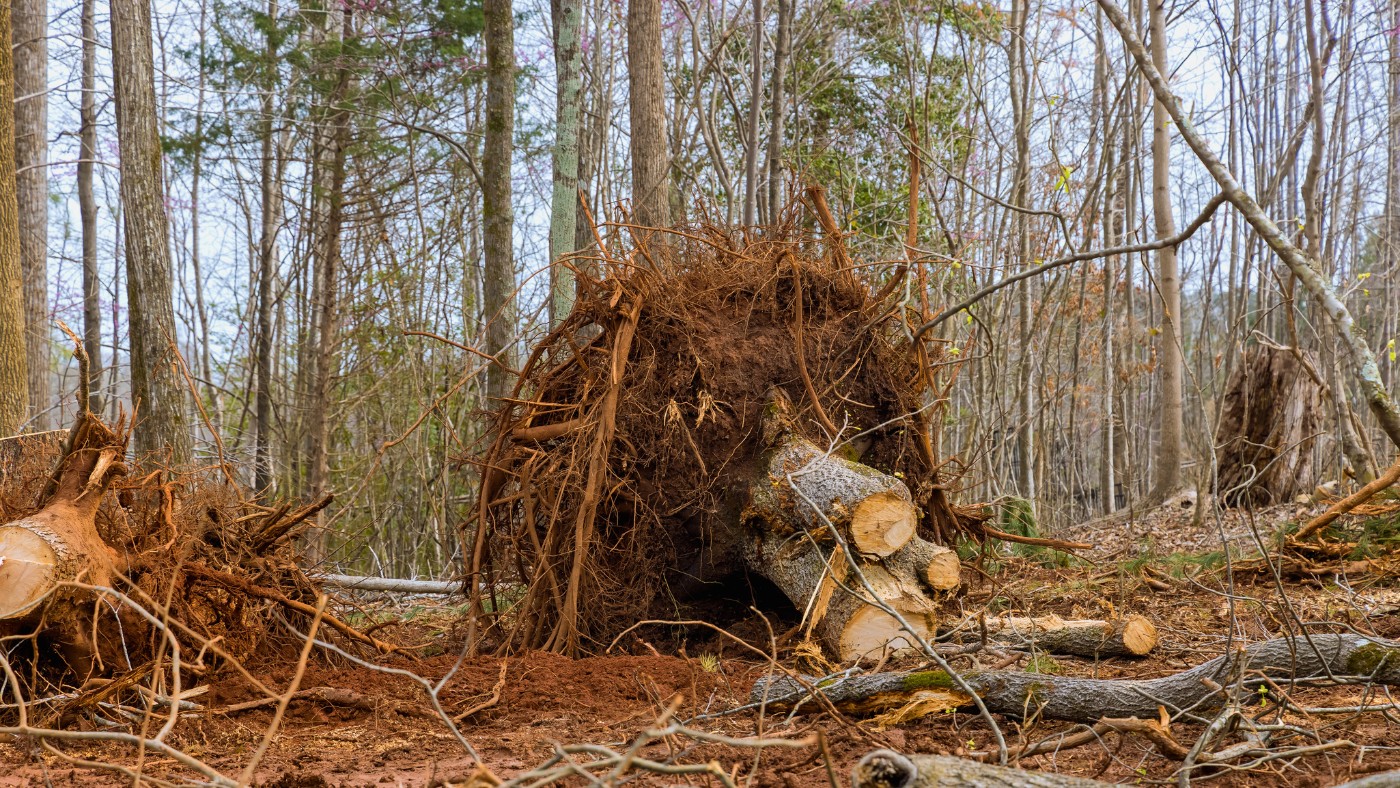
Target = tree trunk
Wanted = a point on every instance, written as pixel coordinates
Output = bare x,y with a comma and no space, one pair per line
889,769
782,52
1169,362
497,210
1348,659
271,220
60,543
755,117
801,502
14,378
87,208
31,54
332,145
646,75
1269,420
850,626
156,383
568,60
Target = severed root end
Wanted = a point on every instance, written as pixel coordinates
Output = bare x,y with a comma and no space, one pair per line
27,566
943,572
883,523
871,631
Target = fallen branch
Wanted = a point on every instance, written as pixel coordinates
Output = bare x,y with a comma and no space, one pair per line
390,584
1385,480
1337,659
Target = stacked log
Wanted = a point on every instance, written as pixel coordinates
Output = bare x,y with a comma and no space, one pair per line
811,512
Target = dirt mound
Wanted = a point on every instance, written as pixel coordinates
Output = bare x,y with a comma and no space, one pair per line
624,459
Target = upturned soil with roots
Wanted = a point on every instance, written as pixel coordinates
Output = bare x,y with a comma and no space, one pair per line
613,490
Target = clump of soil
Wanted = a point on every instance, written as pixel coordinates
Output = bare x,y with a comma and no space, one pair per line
622,463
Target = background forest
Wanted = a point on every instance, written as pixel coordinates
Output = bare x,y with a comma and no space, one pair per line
364,197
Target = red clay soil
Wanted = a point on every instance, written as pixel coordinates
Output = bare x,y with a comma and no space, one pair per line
547,699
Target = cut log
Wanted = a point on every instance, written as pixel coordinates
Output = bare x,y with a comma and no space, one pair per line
800,493
872,510
889,769
60,544
1133,636
1346,659
850,625
936,566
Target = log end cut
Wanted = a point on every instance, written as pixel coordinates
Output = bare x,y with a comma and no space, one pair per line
1139,636
883,523
27,568
883,769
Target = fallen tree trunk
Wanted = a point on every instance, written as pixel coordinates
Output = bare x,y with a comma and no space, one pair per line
850,625
59,544
889,769
936,566
804,503
1352,659
872,510
1133,636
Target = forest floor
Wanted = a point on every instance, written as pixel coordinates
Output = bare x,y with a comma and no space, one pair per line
383,731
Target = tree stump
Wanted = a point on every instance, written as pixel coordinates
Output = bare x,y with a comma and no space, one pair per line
1269,422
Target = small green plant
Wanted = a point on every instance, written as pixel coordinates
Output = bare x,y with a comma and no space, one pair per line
1043,664
1017,516
709,663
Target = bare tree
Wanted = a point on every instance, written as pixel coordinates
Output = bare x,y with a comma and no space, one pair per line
156,381
14,384
31,55
782,52
755,116
271,219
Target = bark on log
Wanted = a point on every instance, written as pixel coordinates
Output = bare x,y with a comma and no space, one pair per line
850,626
936,566
1348,659
1382,780
1133,636
889,769
872,510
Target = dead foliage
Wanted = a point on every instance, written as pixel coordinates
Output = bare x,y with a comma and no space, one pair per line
622,460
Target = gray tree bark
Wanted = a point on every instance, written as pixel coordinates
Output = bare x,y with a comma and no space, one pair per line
14,378
889,769
87,208
568,60
157,385
1348,659
651,158
498,218
1169,360
755,117
782,51
271,219
31,55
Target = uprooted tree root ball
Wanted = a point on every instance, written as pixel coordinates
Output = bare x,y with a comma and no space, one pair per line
621,474
109,569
